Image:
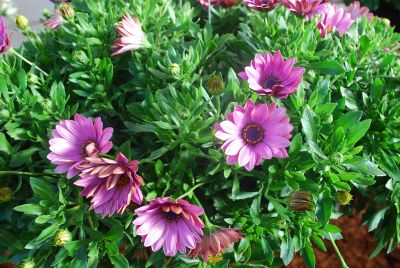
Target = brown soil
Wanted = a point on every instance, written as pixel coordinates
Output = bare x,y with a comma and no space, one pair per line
355,248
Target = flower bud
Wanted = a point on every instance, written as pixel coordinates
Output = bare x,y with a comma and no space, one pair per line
215,85
6,194
22,22
228,3
300,201
67,11
337,158
343,197
215,259
174,69
62,236
28,264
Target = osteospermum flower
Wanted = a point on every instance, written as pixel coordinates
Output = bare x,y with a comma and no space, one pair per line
261,4
132,36
204,3
75,140
254,132
111,184
173,225
214,244
271,75
4,37
334,18
305,8
55,21
356,10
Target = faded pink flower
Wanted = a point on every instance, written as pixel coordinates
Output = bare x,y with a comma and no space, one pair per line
4,37
334,18
55,21
215,243
271,75
74,140
254,132
307,8
132,36
173,225
356,10
204,3
112,184
261,4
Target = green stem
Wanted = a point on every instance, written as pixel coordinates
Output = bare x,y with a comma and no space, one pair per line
207,222
10,172
209,11
342,261
27,61
191,190
270,198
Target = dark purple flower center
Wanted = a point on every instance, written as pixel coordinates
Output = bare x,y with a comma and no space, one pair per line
89,148
270,82
170,215
123,180
265,1
253,134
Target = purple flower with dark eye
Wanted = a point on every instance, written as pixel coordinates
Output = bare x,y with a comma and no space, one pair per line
75,140
254,132
271,75
261,4
4,37
307,8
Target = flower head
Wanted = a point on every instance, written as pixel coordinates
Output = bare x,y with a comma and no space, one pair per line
334,17
215,85
305,8
254,132
62,236
356,10
344,197
228,3
4,37
271,75
67,11
261,4
173,225
214,244
55,21
22,22
74,140
112,184
132,36
6,194
204,3
300,201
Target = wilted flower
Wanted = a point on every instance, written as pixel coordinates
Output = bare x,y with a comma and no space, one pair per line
300,201
74,140
112,184
173,225
261,4
254,132
22,22
356,10
334,17
271,75
214,244
344,197
228,3
6,194
4,37
67,11
204,3
215,85
132,36
55,21
305,8
62,236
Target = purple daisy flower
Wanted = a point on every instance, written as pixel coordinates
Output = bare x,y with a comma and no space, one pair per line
271,75
4,38
332,18
307,8
111,184
261,4
74,140
173,225
356,10
254,132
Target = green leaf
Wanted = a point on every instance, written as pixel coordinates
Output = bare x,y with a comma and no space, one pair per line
328,67
126,149
358,131
324,207
376,219
348,120
332,228
309,124
4,145
30,209
364,166
119,261
22,157
42,189
286,252
308,254
319,242
47,233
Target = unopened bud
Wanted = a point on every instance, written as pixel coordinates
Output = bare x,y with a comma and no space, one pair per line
174,69
300,201
215,85
6,194
343,197
22,22
215,259
67,11
62,236
28,264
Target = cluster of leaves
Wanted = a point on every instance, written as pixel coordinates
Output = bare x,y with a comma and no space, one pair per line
346,118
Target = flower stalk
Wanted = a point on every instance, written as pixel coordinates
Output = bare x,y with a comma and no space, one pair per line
341,259
27,61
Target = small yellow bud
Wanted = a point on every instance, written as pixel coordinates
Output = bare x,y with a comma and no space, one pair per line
343,197
62,236
174,69
6,194
67,11
28,264
215,259
215,85
386,21
22,22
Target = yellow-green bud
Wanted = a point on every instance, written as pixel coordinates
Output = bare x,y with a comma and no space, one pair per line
343,197
300,201
215,85
6,194
174,69
67,11
22,22
386,21
62,236
4,114
28,264
215,259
